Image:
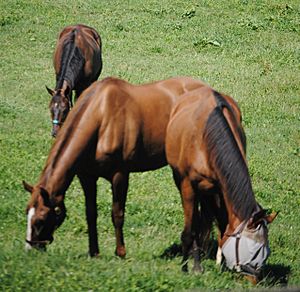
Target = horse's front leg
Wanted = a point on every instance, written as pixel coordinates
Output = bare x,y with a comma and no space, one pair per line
89,185
119,190
222,221
219,256
190,234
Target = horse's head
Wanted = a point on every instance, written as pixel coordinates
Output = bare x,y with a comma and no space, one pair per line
60,105
247,247
44,215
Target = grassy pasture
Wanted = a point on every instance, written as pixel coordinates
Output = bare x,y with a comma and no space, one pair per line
248,49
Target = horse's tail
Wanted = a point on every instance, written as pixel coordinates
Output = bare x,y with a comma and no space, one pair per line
227,160
72,62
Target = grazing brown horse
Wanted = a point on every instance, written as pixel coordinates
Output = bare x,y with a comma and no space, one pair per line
114,128
78,63
206,148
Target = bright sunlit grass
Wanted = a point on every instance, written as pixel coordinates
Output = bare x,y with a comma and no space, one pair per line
247,49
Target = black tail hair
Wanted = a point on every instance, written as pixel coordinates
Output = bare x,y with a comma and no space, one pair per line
72,62
229,164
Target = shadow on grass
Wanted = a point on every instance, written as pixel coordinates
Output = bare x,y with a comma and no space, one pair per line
273,275
171,252
276,275
175,250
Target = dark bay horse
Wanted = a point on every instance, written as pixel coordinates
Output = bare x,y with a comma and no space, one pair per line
77,62
114,128
206,149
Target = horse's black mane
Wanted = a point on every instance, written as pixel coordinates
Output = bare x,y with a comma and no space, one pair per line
228,161
72,62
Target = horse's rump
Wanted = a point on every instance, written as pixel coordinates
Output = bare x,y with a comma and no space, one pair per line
78,52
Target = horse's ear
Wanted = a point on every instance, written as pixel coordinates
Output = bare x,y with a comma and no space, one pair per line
27,186
67,91
270,218
45,196
50,91
257,218
261,215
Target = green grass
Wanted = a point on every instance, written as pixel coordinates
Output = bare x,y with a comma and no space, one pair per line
248,49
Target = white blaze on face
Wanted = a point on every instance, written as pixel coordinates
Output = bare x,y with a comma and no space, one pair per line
28,233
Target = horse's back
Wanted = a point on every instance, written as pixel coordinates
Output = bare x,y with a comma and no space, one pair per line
134,119
152,102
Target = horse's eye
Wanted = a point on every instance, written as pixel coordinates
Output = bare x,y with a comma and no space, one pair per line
57,210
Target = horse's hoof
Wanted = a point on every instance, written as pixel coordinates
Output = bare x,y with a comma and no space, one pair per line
94,254
121,252
198,269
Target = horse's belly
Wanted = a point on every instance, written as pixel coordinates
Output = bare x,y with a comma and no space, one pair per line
146,163
140,160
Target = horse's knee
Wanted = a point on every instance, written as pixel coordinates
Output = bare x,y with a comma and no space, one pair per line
187,239
186,236
118,219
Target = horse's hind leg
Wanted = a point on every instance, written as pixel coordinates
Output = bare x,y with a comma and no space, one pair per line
119,190
190,234
89,186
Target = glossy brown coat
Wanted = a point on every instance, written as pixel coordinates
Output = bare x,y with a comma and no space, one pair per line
206,149
78,63
115,128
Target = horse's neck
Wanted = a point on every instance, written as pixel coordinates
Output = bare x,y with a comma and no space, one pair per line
234,220
57,178
61,166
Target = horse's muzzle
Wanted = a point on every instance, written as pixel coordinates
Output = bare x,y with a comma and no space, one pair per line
55,130
38,244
